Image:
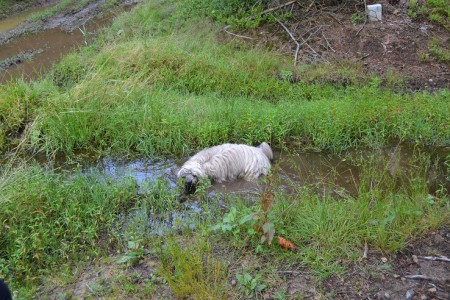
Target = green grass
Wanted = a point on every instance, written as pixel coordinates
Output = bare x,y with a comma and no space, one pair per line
437,11
51,11
4,5
193,271
440,53
169,95
49,219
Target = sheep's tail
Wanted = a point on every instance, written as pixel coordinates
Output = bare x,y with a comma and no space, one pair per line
265,148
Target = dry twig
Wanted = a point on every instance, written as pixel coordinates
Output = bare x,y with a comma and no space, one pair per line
234,34
365,19
293,38
328,43
289,272
277,7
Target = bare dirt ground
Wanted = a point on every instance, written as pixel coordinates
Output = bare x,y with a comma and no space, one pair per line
379,277
391,48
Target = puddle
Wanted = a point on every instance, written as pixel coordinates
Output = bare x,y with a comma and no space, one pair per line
335,175
52,44
12,22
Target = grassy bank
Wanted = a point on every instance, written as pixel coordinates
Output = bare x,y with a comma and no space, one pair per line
171,91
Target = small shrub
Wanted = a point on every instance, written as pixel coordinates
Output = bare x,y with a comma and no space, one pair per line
358,18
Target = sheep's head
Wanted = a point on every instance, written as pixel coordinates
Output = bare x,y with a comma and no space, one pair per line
191,184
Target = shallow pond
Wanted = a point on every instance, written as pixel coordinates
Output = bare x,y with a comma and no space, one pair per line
333,175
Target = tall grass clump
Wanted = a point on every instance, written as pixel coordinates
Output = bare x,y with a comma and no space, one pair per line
19,102
49,219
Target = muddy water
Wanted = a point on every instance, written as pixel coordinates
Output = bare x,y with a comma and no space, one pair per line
329,174
50,45
12,22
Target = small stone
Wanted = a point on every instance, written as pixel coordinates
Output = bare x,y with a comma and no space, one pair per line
415,259
424,297
438,238
430,80
409,294
384,259
432,290
233,282
396,276
387,295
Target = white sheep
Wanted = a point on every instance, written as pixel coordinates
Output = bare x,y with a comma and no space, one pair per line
226,162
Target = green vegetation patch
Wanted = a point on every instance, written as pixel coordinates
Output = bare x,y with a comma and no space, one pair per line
49,219
437,11
193,271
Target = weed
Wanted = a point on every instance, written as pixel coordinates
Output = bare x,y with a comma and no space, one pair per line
250,285
385,213
358,18
436,10
134,254
440,53
193,271
424,57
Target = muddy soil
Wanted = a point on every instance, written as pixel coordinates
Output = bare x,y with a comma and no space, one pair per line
377,276
19,6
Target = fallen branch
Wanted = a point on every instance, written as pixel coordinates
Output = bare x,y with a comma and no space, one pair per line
434,258
293,38
328,43
234,34
364,57
365,19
